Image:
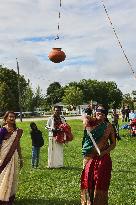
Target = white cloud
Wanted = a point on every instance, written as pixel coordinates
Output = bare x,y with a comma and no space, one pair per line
86,37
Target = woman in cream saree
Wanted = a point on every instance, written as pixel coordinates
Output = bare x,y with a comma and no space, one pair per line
9,153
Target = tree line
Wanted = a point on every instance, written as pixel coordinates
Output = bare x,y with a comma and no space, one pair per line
74,93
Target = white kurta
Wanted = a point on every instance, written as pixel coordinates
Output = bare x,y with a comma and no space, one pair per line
55,149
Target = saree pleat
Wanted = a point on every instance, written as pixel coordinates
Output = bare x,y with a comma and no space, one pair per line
8,177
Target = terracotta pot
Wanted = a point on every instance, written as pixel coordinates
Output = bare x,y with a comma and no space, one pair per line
57,55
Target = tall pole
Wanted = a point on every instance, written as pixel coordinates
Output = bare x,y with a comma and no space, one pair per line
19,93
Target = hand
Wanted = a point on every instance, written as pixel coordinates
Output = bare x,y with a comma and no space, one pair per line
55,130
103,153
21,163
19,132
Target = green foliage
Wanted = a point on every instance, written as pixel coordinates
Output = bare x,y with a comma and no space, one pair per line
10,78
128,100
37,98
54,93
45,186
83,92
87,86
52,87
76,93
73,96
7,99
27,99
102,92
134,99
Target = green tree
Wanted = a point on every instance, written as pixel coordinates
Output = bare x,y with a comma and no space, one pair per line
73,96
134,98
45,106
54,93
27,99
6,99
10,78
134,95
37,98
87,86
103,92
128,100
115,95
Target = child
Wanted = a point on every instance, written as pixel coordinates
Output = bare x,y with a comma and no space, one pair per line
37,142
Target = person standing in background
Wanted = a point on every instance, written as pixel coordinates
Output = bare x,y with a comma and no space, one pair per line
115,123
132,115
127,111
89,110
123,114
37,143
55,149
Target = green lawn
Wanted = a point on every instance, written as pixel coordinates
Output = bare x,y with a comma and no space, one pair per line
45,186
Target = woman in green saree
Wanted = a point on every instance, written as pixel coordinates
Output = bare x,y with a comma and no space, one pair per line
96,175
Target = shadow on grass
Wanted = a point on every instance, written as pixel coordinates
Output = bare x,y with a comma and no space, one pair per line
46,202
65,168
123,171
72,168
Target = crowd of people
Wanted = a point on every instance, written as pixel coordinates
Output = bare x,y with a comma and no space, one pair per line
127,114
99,139
55,149
10,150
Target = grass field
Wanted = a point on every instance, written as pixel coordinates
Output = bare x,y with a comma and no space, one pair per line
45,186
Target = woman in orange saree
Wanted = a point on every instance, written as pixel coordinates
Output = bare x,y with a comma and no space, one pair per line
10,152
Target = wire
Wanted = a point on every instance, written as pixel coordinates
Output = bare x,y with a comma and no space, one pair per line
57,37
119,42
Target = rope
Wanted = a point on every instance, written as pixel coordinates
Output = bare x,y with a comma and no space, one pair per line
119,42
57,37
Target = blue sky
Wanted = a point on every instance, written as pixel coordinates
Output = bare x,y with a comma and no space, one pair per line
28,28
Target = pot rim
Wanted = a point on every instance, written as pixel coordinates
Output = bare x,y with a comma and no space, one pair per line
56,48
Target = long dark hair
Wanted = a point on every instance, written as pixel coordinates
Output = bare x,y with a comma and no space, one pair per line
33,124
5,118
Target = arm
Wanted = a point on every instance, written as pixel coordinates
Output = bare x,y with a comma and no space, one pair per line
19,152
112,140
86,119
3,131
20,155
49,124
20,132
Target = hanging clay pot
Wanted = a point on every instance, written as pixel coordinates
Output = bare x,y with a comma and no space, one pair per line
57,55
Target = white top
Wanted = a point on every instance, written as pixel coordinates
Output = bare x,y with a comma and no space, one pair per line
132,115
